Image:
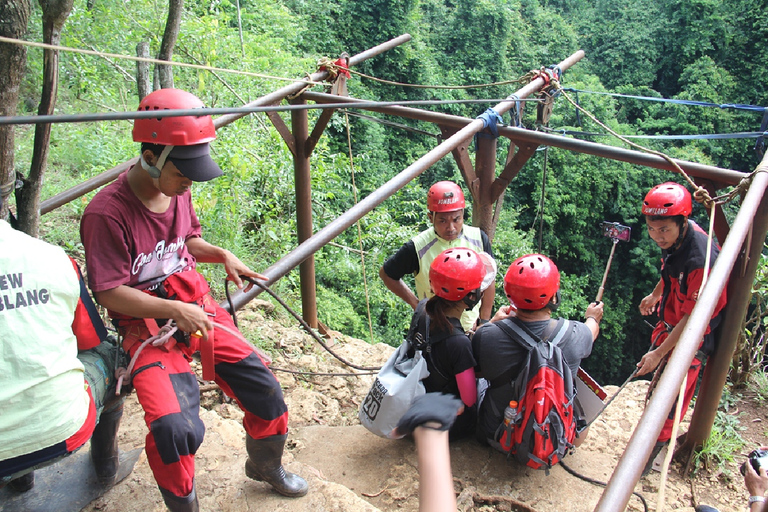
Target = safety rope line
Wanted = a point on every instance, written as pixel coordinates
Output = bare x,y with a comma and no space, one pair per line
661,501
136,114
401,126
541,200
735,106
298,317
701,194
161,338
359,229
321,374
522,79
598,482
702,136
150,60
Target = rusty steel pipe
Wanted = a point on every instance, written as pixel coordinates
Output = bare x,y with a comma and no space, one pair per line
83,188
338,225
107,176
521,135
630,466
716,372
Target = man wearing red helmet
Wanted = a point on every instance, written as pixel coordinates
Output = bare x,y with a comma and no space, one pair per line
532,285
683,247
142,241
445,202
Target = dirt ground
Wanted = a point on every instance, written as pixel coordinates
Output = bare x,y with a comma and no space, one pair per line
350,469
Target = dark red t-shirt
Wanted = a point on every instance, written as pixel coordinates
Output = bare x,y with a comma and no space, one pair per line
127,244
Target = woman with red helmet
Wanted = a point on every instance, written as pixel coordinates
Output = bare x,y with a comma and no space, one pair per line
456,277
532,285
683,245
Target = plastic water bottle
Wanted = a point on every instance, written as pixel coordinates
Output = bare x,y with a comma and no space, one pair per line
509,425
510,412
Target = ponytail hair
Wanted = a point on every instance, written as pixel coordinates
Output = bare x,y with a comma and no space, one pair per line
436,308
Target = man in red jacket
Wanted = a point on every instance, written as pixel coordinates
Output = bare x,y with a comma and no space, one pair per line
683,247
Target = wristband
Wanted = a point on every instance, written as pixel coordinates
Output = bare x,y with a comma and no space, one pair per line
593,318
481,321
756,499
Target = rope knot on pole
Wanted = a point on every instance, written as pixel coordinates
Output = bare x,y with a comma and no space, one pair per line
334,67
702,197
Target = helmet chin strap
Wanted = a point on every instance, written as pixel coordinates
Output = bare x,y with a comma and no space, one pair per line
553,303
155,170
472,302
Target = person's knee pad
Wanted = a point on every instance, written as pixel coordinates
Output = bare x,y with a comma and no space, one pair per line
176,435
180,433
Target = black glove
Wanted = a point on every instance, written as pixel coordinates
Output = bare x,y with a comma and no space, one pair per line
430,408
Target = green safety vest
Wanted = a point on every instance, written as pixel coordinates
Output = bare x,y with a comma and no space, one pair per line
428,246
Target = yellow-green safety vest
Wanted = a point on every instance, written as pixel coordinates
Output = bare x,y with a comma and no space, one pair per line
428,246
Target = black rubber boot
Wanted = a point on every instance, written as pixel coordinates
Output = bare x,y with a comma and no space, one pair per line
175,503
23,483
656,449
104,453
265,463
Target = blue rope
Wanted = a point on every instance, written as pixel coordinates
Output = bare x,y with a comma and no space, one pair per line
490,119
735,106
735,135
760,143
516,122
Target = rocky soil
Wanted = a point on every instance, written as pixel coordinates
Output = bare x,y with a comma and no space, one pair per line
350,469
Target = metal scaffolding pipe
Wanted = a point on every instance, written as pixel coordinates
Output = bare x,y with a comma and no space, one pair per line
630,466
739,297
107,176
303,184
521,135
83,188
337,226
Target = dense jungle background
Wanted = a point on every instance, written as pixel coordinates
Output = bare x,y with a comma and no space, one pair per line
702,50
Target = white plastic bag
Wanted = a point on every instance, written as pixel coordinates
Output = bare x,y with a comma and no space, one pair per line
396,387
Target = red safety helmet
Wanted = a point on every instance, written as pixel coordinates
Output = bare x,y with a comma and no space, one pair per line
668,199
445,196
531,281
173,131
455,273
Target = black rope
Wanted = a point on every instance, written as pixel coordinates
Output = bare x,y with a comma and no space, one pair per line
303,323
118,116
598,482
296,372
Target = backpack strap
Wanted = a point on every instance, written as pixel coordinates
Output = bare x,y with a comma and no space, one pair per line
433,340
519,333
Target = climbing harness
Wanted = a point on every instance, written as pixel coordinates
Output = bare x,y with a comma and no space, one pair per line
163,337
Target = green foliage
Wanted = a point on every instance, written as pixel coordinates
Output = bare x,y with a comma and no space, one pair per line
685,50
758,383
749,356
723,444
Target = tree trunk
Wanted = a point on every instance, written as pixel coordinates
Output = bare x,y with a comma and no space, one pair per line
55,13
14,17
142,70
164,74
